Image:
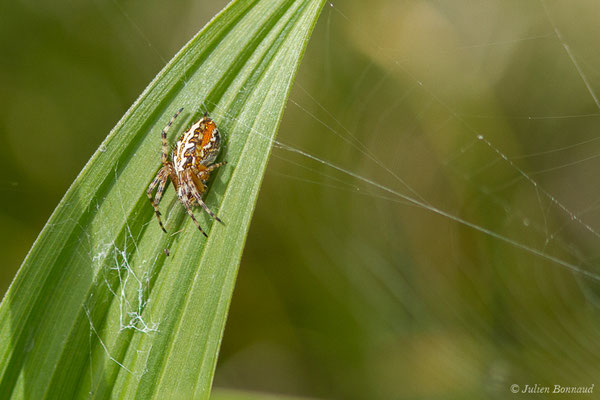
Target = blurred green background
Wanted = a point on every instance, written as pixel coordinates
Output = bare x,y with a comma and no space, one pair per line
346,290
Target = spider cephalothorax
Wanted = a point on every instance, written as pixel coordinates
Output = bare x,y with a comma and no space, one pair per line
192,162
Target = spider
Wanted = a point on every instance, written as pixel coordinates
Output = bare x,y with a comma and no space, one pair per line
193,161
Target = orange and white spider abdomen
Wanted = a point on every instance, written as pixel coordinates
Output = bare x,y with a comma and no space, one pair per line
197,147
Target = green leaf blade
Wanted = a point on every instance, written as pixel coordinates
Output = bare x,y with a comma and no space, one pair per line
98,308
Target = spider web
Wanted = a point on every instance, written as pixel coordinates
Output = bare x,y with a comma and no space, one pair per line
408,152
492,187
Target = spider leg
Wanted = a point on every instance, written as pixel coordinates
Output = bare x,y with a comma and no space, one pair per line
212,167
161,181
165,147
200,187
205,207
173,176
191,214
161,187
186,196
